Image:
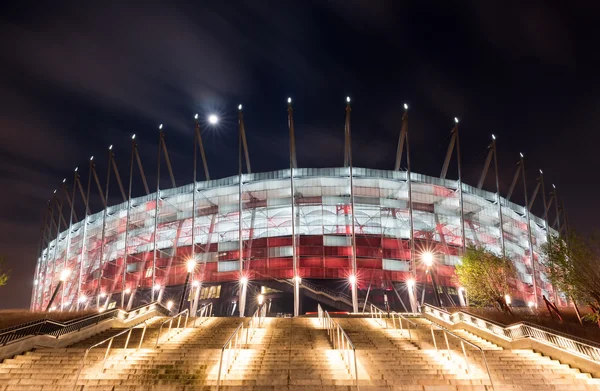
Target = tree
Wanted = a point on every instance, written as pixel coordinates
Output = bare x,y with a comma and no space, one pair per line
573,267
4,274
485,276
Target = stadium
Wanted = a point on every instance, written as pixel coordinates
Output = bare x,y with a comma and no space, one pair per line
343,237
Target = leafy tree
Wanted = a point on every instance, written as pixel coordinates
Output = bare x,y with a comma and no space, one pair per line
485,276
4,274
573,266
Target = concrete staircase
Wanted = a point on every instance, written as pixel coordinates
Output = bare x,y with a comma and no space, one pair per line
286,354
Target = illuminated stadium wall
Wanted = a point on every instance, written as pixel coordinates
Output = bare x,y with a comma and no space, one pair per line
134,246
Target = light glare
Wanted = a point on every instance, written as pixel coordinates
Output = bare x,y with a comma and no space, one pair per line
348,99
455,120
507,299
157,287
239,107
261,299
410,283
133,137
493,137
160,126
64,275
169,304
196,116
405,106
110,147
289,100
244,280
428,258
191,265
352,279
213,119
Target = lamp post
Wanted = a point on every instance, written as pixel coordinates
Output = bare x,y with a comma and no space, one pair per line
261,300
244,288
427,258
191,265
63,277
462,297
353,287
410,286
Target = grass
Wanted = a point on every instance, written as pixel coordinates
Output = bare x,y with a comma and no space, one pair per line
541,317
10,318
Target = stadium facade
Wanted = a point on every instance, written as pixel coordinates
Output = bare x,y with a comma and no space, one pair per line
312,235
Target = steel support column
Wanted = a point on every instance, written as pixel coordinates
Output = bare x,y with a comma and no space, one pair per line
531,253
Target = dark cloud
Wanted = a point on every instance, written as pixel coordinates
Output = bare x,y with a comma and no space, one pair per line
76,78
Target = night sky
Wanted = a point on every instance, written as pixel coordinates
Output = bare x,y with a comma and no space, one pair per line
76,78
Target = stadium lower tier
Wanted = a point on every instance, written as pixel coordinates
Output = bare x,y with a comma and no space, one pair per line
144,245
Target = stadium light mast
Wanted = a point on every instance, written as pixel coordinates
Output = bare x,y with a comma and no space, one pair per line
242,145
293,164
69,233
348,163
527,216
493,154
401,141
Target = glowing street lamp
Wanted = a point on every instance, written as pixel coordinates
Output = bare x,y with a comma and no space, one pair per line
157,287
169,304
191,265
410,283
213,119
427,259
260,299
244,280
128,290
352,280
63,277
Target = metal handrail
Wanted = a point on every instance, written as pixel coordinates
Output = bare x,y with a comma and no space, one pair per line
58,329
255,322
205,308
170,321
237,343
201,313
379,315
340,341
462,345
110,341
572,345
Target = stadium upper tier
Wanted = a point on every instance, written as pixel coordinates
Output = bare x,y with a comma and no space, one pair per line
141,244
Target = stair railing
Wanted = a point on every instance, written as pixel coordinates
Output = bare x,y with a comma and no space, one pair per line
110,340
568,343
204,312
256,321
232,347
380,317
170,320
58,329
340,341
463,341
235,343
